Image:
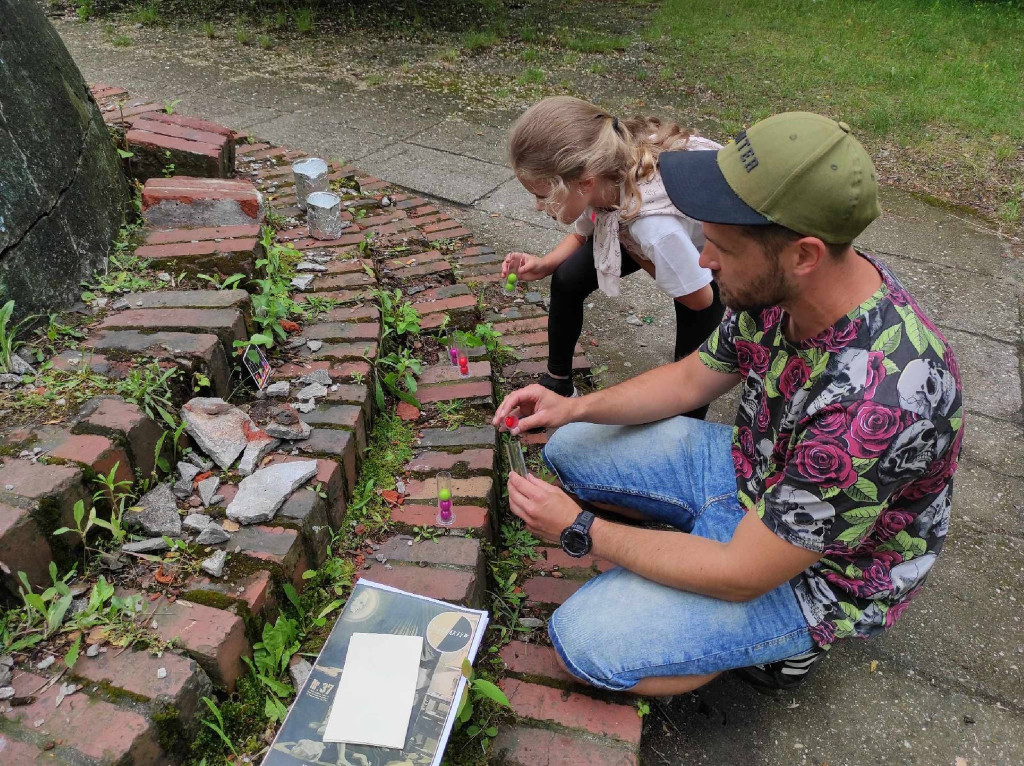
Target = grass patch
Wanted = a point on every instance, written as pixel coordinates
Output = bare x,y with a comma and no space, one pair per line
596,42
149,15
531,76
478,41
958,64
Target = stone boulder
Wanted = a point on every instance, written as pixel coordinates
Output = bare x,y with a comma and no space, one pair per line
62,192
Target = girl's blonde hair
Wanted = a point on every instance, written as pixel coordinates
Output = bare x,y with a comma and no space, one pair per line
561,139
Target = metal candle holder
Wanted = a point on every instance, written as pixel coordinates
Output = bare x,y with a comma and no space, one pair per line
310,176
323,214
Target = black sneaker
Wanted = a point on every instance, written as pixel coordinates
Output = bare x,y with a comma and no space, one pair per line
561,386
784,674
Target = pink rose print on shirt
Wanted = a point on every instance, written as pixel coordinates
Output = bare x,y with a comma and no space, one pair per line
823,633
746,439
742,463
764,415
752,356
836,339
890,523
825,462
832,421
894,612
872,428
794,375
770,316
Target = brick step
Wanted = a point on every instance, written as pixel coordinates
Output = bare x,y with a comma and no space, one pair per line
227,324
215,638
120,113
549,591
526,353
183,201
192,299
114,734
580,364
572,711
521,745
475,490
337,332
193,147
557,560
517,313
191,352
449,568
223,256
36,499
181,685
126,425
468,518
445,372
458,439
479,392
470,462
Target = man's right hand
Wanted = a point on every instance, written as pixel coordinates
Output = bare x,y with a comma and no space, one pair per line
528,268
539,407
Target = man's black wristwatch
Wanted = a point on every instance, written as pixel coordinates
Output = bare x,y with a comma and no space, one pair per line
576,537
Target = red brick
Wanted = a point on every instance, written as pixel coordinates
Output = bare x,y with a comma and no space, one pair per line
449,550
269,153
424,220
470,517
414,259
374,185
450,392
475,489
346,265
529,339
251,148
341,296
349,416
448,234
205,199
162,142
333,443
527,746
457,586
541,352
23,548
213,637
22,753
424,269
413,202
444,223
343,351
441,293
550,590
449,304
556,557
467,461
533,660
353,314
227,324
521,325
334,331
132,740
190,250
126,423
539,438
193,123
353,238
408,412
96,452
280,546
483,279
477,250
153,124
539,368
166,236
183,685
336,281
445,372
573,711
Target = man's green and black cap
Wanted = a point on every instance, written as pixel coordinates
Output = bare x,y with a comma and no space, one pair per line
799,170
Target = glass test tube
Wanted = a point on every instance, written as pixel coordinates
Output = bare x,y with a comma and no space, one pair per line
445,514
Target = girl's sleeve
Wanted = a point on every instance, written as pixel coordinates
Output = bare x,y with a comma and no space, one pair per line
585,223
666,243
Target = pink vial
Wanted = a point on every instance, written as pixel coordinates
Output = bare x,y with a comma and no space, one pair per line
453,354
445,515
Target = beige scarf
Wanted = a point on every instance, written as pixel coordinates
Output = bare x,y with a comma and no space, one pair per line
608,235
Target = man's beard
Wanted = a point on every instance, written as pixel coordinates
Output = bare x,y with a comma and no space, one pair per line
769,289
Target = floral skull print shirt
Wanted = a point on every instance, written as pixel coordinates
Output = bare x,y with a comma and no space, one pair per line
846,444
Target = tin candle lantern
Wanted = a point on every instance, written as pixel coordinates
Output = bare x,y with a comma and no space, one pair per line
310,176
323,214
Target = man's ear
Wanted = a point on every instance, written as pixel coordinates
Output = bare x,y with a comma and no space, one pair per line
806,255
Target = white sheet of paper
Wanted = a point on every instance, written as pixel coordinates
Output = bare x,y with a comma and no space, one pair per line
376,690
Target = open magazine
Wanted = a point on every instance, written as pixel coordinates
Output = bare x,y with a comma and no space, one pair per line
450,635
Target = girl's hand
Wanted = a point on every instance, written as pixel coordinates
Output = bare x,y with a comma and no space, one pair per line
528,268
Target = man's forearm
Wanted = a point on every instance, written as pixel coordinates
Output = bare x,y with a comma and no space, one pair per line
676,559
655,395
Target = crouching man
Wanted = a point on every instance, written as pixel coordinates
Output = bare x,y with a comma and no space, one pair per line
818,516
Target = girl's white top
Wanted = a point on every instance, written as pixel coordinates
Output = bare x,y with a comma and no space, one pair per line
659,233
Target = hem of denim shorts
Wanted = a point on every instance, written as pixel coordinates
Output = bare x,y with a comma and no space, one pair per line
574,669
760,644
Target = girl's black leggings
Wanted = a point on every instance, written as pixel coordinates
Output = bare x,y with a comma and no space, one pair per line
576,279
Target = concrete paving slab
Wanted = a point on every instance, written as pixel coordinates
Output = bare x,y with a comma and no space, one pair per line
331,139
440,174
995,444
914,229
993,502
455,134
844,716
513,201
955,299
990,374
231,114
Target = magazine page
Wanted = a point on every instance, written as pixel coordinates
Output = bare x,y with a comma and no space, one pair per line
450,635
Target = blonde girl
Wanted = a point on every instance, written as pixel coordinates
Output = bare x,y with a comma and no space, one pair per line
585,166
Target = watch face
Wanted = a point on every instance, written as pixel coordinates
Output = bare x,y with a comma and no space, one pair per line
574,542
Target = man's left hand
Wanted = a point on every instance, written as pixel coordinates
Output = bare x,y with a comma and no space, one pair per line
546,509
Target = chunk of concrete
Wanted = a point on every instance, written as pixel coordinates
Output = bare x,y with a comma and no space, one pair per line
260,495
159,514
217,427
